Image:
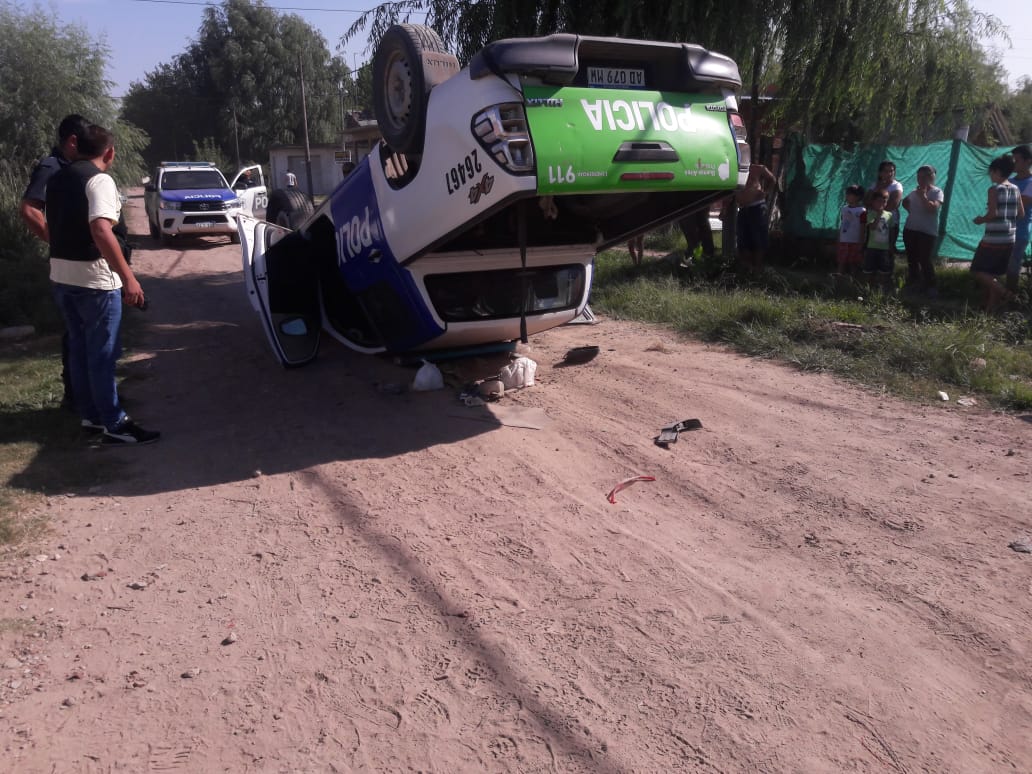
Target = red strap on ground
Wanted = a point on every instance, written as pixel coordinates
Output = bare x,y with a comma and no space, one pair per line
626,483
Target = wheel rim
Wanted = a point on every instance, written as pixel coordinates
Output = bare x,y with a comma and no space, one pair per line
398,89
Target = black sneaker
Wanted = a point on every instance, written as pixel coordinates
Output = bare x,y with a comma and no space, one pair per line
128,432
93,428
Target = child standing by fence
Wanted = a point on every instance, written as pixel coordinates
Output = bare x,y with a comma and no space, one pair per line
1023,180
878,261
1003,210
922,230
850,254
887,183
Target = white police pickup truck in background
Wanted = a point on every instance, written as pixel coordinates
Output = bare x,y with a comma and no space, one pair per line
193,197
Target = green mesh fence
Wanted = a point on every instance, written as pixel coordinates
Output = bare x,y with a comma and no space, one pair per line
817,177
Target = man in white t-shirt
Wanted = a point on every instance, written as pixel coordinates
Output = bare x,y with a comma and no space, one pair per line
922,231
90,277
291,179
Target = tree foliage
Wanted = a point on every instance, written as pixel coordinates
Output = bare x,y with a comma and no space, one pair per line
239,86
843,72
358,91
850,74
1017,108
48,70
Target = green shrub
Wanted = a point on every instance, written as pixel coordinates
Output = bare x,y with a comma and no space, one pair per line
24,283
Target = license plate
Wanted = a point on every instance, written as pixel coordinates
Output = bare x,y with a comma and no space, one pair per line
616,77
205,224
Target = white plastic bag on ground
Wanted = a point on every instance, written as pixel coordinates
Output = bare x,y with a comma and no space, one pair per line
428,377
519,373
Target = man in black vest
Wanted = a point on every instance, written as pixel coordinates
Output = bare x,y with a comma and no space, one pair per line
64,153
33,203
90,278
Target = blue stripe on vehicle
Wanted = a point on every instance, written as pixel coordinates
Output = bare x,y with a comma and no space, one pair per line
365,260
198,195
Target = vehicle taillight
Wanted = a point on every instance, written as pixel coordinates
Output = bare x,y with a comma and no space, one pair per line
502,130
646,176
741,141
738,126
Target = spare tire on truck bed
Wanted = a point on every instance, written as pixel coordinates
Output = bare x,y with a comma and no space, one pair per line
288,207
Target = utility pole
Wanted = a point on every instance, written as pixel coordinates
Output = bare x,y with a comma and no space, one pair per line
304,116
236,137
354,81
340,91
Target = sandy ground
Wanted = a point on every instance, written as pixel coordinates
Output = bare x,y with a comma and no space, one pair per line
311,574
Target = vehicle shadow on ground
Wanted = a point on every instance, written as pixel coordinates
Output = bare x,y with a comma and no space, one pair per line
228,411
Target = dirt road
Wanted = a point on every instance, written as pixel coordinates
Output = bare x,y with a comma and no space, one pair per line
818,580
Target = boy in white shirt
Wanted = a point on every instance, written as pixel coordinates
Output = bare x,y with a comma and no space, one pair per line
850,253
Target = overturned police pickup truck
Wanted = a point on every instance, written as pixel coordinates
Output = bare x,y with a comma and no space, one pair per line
477,219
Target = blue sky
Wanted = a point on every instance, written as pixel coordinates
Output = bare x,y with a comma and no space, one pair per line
142,34
1017,18
145,33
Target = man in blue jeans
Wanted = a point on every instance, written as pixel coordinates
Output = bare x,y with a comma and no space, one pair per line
33,208
90,277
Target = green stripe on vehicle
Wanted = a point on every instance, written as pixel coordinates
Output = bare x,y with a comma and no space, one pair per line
578,131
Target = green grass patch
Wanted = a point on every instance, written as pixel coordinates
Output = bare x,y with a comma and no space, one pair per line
42,449
911,347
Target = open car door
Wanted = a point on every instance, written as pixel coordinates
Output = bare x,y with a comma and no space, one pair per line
253,193
282,289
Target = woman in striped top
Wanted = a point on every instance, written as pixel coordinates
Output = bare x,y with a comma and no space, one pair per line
1003,210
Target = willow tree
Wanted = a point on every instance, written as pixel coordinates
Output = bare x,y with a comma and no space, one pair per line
846,71
901,74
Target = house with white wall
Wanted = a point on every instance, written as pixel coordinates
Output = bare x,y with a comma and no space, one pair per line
357,140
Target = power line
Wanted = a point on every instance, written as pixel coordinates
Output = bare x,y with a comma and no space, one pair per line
271,7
